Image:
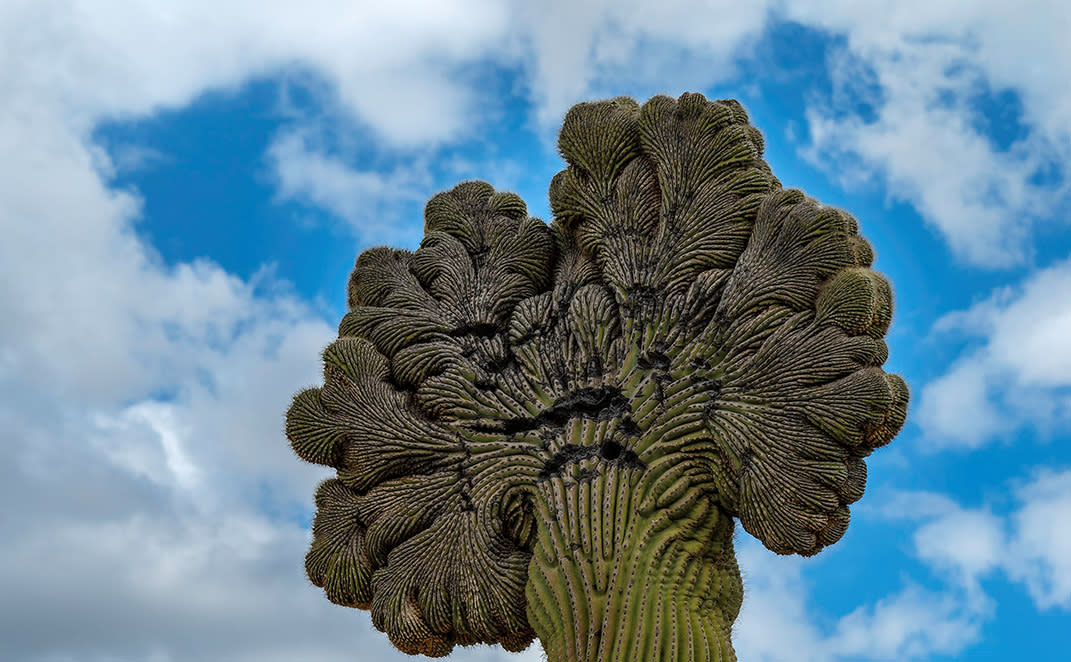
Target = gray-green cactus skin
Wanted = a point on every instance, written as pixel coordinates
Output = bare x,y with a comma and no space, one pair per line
550,430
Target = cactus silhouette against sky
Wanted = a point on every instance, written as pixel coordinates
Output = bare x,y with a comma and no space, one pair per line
549,431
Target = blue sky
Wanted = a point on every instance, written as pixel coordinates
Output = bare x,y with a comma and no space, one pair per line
183,189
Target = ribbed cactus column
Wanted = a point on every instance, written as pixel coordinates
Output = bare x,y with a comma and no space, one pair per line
631,562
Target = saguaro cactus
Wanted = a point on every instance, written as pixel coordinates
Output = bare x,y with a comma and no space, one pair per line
550,430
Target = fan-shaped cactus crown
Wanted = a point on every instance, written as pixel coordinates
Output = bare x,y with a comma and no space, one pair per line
520,414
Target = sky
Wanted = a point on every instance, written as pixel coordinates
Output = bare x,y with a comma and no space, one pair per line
184,186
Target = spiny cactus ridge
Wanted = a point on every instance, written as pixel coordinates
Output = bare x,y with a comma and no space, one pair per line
549,430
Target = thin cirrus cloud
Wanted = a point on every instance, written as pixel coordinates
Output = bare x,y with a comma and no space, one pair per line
142,401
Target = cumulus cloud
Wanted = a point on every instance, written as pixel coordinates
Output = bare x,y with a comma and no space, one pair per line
921,67
141,408
1020,372
922,71
963,545
910,625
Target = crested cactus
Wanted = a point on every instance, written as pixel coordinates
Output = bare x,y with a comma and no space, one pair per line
549,431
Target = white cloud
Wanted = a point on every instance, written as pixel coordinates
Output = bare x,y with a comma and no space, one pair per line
368,200
970,545
142,410
146,440
1041,543
128,158
922,65
182,587
963,547
630,47
775,600
393,67
385,60
967,543
955,409
1021,373
911,624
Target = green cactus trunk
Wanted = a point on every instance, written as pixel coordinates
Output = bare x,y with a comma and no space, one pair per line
630,562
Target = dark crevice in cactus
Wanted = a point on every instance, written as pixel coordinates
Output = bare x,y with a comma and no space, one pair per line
465,478
641,297
712,387
402,387
601,404
608,452
596,403
478,329
570,453
653,360
628,427
479,256
499,364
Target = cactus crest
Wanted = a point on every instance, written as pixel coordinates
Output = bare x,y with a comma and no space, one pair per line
551,430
